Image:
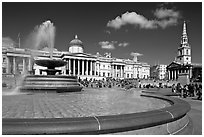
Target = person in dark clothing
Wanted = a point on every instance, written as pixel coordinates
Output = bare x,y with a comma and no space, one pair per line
199,92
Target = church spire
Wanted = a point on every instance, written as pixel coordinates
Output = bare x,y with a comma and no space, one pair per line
184,28
184,50
184,38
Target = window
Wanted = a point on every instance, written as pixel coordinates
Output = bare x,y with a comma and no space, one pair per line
103,74
4,59
186,58
186,52
4,70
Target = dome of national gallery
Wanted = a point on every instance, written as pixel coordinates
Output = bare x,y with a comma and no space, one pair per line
76,42
76,45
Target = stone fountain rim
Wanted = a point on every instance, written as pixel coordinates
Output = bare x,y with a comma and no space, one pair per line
100,124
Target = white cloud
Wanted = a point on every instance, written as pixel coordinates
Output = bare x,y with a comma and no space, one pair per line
164,18
107,45
131,18
8,42
168,17
135,54
123,44
164,13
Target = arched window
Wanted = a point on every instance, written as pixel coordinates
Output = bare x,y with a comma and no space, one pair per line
186,52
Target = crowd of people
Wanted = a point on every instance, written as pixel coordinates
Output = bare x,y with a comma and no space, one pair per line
188,90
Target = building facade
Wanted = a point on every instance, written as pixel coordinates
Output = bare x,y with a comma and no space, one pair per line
84,65
182,64
158,72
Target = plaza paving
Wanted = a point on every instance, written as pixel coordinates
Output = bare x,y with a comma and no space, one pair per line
195,113
89,102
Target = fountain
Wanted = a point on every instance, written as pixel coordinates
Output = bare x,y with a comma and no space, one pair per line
50,82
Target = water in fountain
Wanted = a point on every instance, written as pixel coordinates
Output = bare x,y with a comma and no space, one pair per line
45,36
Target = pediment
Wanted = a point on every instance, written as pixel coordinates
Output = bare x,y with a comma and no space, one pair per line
174,65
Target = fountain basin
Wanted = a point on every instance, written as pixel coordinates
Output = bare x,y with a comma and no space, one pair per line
50,83
167,120
50,63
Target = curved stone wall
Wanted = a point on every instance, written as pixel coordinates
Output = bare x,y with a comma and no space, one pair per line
107,124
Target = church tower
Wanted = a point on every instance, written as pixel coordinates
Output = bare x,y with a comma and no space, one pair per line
184,50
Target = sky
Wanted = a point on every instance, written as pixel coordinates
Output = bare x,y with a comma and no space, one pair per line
150,29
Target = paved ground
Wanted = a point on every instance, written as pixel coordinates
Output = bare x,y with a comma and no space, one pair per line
195,112
90,102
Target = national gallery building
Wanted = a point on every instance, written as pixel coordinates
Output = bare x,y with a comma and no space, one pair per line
21,61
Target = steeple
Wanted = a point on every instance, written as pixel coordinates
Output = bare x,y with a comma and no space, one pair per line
184,28
184,50
184,38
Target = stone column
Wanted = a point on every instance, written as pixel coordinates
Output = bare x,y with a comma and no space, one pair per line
94,68
74,67
87,72
14,65
91,68
24,70
98,68
69,66
8,65
82,67
169,75
175,76
78,67
121,71
116,70
190,72
29,64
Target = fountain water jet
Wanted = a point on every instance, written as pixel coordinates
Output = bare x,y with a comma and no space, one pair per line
60,83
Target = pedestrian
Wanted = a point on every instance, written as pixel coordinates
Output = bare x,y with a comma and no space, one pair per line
173,89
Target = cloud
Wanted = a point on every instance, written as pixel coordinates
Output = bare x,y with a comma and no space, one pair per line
165,13
167,17
107,45
131,18
8,42
124,44
163,18
135,54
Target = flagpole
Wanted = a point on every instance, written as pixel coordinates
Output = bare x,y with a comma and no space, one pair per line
19,40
